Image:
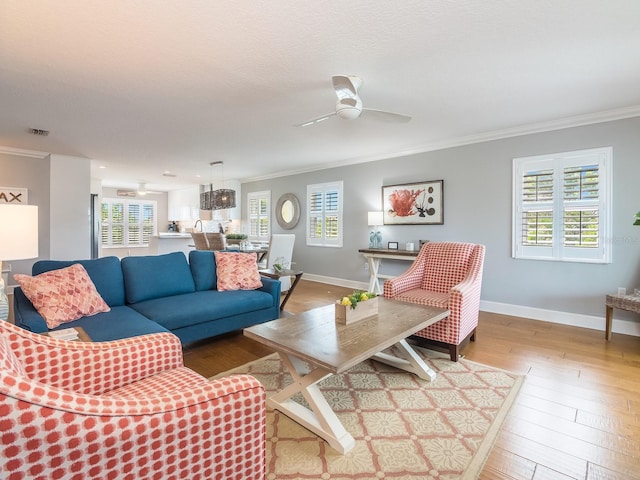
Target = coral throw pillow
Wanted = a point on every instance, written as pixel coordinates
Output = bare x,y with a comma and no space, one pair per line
237,271
62,295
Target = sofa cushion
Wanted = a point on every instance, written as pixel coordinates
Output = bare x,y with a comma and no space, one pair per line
156,276
203,306
203,269
237,271
120,322
62,295
105,273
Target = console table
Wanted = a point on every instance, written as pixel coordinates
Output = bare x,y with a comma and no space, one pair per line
630,303
374,255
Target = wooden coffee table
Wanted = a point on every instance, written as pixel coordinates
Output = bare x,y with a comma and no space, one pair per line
313,346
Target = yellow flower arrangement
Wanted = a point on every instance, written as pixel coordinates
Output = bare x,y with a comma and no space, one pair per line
353,299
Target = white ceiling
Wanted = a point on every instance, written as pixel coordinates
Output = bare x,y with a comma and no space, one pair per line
147,86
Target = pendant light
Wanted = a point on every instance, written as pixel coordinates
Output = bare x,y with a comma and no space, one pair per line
219,199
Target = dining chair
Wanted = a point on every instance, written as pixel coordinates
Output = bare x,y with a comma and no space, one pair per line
200,240
215,240
281,250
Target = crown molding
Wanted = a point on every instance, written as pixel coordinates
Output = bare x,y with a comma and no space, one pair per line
540,127
22,152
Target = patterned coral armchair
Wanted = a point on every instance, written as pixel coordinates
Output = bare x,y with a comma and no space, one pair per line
126,409
446,275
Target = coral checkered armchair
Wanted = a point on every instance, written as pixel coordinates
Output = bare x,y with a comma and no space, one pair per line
125,410
446,275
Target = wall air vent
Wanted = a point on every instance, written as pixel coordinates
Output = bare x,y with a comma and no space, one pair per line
38,131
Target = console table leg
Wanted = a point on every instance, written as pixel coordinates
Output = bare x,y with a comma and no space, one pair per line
374,267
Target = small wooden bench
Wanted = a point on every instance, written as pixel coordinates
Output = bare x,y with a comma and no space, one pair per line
630,303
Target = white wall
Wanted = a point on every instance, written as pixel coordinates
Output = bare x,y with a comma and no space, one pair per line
69,208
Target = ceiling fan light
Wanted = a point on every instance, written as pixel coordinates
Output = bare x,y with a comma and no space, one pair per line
349,110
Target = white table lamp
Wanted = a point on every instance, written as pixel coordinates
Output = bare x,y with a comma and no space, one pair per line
18,240
375,219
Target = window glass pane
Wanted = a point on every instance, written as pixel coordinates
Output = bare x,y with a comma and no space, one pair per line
117,235
537,186
581,183
315,227
331,201
315,202
117,212
581,228
537,228
331,228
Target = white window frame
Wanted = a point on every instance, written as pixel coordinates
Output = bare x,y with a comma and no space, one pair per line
556,163
260,216
323,189
108,224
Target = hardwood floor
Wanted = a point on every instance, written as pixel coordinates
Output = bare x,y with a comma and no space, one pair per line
577,415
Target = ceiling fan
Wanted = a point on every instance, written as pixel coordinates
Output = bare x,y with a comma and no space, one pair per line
349,105
141,190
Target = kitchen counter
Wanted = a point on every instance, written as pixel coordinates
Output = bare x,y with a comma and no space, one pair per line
167,242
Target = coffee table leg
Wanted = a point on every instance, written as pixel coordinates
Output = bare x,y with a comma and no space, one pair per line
320,419
412,362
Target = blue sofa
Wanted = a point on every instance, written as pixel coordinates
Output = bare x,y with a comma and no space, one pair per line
159,293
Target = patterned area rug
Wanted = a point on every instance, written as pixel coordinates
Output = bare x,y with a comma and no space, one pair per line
405,428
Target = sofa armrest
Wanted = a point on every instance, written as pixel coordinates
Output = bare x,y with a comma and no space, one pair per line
272,287
96,366
212,430
25,314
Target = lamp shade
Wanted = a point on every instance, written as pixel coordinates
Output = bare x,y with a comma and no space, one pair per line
375,219
19,238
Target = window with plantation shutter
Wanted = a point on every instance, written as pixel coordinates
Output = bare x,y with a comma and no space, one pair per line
127,223
324,214
562,206
259,208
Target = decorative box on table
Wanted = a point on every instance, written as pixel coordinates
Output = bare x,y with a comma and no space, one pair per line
346,315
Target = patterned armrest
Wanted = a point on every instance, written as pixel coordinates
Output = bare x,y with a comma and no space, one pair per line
96,367
211,430
409,280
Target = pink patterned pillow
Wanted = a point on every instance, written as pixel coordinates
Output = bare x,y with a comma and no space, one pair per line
237,271
62,295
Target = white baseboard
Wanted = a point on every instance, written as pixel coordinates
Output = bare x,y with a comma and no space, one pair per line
593,322
340,282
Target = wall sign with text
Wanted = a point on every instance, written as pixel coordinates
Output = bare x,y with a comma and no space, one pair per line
14,195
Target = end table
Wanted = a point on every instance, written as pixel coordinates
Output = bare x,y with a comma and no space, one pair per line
275,274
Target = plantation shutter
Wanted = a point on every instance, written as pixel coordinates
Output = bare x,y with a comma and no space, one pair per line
259,215
127,223
324,214
562,206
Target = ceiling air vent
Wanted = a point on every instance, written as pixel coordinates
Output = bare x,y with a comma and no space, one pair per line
38,131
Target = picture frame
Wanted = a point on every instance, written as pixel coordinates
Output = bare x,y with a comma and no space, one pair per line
419,203
392,246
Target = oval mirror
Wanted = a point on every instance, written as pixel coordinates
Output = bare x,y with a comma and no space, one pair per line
288,211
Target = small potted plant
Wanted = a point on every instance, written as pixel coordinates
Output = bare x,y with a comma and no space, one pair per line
235,238
357,306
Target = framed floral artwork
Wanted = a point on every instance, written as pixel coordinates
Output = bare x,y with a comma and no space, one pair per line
419,203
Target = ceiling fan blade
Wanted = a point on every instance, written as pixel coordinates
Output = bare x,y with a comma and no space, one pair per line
385,116
346,86
315,120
